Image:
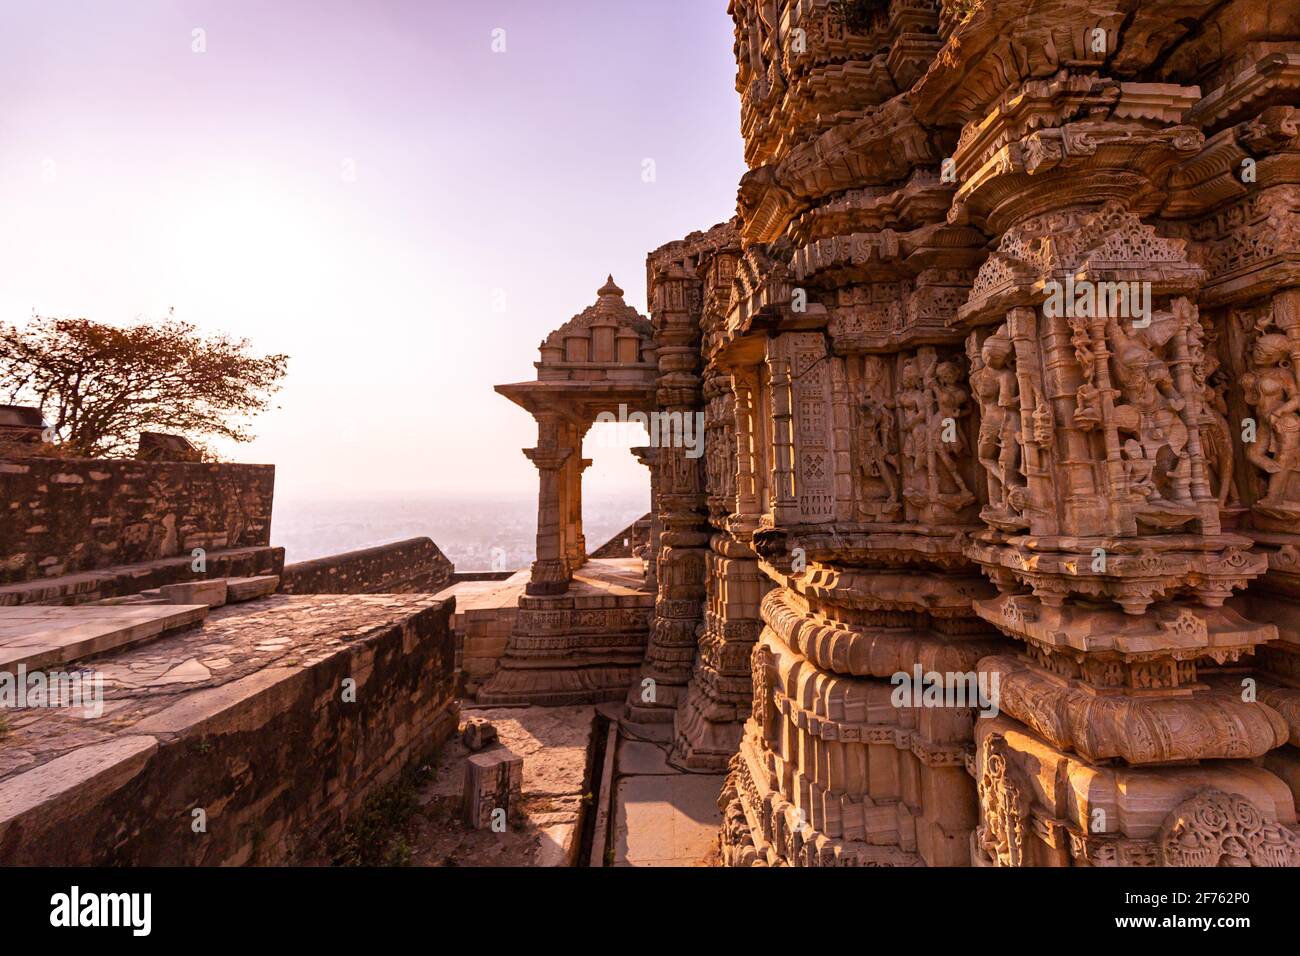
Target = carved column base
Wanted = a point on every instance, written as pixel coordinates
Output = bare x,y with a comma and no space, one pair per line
837,770
660,688
720,695
549,577
1040,806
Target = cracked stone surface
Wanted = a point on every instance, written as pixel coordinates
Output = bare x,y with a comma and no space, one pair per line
146,679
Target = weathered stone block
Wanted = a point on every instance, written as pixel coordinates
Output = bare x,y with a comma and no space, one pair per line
494,781
250,589
478,733
211,593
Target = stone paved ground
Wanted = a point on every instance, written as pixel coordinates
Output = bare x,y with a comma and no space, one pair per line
554,742
662,817
37,636
235,641
612,575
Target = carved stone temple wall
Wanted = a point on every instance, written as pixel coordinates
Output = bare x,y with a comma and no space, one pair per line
1005,396
992,556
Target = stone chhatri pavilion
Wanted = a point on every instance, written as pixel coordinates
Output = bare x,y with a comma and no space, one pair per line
580,631
600,361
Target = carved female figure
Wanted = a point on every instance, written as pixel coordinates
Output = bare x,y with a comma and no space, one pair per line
1216,437
1272,389
877,463
913,407
947,442
994,385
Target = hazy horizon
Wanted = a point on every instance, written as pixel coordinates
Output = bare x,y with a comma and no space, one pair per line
361,186
478,532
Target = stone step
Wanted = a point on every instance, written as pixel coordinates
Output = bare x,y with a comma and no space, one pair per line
129,579
37,636
209,592
239,590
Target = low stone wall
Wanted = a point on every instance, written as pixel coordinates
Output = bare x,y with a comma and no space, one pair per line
63,516
134,578
414,566
461,576
268,745
625,543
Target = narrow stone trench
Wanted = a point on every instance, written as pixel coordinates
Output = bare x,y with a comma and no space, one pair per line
595,793
662,816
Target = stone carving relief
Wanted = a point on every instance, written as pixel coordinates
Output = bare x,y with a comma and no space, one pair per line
1215,432
997,393
1099,447
1272,390
879,476
1004,803
932,405
1149,419
1221,829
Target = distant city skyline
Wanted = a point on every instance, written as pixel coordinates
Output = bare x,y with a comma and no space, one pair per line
406,225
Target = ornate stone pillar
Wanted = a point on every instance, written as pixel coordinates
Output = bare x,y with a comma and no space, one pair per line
575,540
1104,536
785,508
649,457
710,722
747,506
551,570
856,425
683,540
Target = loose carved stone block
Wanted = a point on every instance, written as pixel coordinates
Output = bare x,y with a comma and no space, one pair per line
478,733
494,781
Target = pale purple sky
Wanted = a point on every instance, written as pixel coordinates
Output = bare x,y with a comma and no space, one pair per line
352,183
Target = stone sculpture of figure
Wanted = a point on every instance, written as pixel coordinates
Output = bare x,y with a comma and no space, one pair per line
878,464
1152,406
947,443
993,382
1216,436
914,407
1138,468
1272,390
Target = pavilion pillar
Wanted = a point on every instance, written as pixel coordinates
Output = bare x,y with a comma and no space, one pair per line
551,570
575,540
648,456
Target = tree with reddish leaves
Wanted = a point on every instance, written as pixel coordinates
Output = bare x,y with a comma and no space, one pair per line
100,385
